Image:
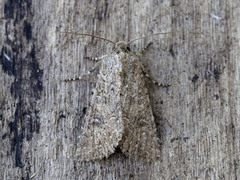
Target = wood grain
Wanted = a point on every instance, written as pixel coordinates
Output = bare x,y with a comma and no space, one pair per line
197,117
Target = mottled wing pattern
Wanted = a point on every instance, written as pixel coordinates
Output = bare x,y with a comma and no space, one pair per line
103,126
140,139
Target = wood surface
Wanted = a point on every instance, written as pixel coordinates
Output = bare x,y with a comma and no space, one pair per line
197,116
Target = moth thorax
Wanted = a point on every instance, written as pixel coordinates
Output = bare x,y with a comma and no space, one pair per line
121,46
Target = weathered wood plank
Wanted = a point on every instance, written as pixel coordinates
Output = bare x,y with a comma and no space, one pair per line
197,117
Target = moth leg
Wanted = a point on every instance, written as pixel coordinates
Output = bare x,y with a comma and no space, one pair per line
94,58
139,54
154,82
87,74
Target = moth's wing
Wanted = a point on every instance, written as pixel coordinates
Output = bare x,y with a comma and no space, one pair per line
103,126
140,139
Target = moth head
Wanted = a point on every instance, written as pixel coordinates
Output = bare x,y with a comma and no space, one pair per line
121,46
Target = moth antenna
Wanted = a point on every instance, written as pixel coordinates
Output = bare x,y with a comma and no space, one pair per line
82,34
150,36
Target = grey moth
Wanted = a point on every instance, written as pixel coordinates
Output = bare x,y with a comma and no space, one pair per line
119,114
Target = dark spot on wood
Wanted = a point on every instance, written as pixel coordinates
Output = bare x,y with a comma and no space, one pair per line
7,66
62,115
216,96
36,75
4,136
84,110
195,78
117,150
171,51
173,139
131,176
106,9
16,9
8,10
18,135
101,12
212,70
15,89
27,30
216,73
173,3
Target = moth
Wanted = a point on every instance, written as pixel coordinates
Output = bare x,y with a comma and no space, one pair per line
120,114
